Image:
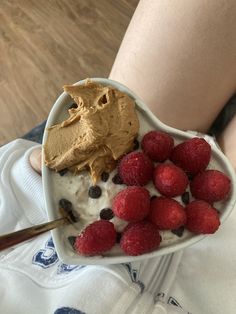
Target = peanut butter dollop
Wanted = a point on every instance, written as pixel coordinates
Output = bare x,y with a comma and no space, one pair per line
97,133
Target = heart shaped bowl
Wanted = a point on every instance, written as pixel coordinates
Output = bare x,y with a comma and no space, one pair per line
56,187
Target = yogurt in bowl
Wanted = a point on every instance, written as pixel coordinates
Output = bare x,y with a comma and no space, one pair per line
75,188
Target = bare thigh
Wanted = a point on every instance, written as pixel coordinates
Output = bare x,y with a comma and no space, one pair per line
180,58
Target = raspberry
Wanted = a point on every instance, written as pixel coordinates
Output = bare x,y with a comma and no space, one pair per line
192,155
139,238
157,145
136,169
211,186
170,180
132,203
96,238
166,213
201,218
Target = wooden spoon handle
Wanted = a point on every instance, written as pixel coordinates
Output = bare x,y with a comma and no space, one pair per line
10,239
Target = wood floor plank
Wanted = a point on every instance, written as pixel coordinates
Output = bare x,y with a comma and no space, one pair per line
46,44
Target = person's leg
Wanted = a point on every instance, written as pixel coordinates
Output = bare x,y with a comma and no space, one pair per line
180,58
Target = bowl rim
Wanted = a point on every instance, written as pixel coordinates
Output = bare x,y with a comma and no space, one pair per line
100,260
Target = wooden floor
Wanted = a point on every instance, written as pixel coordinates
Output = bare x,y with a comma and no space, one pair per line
46,44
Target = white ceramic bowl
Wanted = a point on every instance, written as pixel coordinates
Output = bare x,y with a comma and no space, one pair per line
65,252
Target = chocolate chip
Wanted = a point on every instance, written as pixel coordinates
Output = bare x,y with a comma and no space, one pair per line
136,144
73,106
117,179
67,209
65,204
71,239
153,197
103,100
190,176
63,172
185,198
105,176
95,191
106,214
118,237
179,232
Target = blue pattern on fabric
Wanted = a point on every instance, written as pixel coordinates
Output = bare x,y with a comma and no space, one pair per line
133,275
47,256
68,310
65,268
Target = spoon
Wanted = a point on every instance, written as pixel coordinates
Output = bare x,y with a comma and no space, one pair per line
10,239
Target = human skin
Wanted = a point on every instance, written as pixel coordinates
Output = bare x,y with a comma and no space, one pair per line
180,58
35,159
